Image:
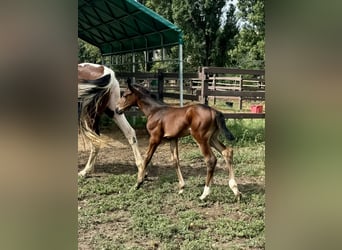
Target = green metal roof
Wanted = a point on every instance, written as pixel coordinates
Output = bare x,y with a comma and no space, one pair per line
123,26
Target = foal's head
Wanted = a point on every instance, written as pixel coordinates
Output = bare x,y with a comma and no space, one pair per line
128,99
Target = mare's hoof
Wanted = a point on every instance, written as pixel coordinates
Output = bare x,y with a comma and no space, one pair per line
181,191
82,174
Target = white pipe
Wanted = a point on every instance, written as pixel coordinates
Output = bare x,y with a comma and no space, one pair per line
181,72
133,69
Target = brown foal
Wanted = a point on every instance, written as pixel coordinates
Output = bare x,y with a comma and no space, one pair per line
166,122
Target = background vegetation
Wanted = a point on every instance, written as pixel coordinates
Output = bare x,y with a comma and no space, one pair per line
216,33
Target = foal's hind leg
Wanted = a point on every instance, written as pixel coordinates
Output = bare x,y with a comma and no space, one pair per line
89,168
227,154
210,160
175,159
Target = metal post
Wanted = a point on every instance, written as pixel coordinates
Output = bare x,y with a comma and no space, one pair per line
160,83
133,67
181,70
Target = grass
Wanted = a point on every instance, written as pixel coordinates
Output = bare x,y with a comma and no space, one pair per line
114,216
246,105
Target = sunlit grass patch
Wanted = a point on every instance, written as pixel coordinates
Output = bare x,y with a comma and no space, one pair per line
112,215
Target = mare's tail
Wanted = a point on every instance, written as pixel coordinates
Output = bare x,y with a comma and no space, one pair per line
92,95
222,126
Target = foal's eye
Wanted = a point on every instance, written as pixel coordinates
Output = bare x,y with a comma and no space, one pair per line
126,95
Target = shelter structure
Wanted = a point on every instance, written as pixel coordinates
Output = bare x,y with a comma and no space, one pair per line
120,27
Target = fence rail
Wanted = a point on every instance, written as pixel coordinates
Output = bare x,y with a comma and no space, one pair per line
244,84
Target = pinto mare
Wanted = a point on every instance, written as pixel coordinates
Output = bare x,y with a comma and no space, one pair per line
166,122
98,93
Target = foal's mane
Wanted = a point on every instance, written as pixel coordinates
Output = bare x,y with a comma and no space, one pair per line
142,89
147,93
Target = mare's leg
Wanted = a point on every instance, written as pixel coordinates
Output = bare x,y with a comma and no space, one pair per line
175,159
94,150
122,122
227,154
130,135
89,168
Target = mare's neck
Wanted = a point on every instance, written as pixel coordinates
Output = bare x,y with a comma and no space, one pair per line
148,105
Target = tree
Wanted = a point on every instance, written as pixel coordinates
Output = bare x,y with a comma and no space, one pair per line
226,39
88,52
206,40
237,42
162,7
250,49
200,22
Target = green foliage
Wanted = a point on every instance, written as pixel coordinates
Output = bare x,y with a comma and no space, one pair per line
250,49
238,40
247,131
88,52
226,39
200,22
162,7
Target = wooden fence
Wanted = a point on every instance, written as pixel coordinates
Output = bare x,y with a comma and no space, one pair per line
241,83
208,82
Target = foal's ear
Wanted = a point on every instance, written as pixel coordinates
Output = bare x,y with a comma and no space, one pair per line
131,87
129,82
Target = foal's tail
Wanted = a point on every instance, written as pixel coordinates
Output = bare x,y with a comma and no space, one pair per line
92,95
222,126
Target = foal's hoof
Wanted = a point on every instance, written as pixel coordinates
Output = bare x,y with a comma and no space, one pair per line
181,191
238,197
202,197
146,176
138,185
135,187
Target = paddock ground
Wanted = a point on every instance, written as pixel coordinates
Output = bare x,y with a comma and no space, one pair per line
112,216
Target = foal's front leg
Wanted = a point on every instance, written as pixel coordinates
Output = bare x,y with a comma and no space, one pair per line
175,159
210,161
141,171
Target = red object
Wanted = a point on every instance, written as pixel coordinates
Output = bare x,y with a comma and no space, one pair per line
256,109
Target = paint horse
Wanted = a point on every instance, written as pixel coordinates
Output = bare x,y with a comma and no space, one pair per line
98,93
166,122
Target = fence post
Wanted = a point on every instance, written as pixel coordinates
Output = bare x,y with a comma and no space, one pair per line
160,83
204,87
214,87
240,89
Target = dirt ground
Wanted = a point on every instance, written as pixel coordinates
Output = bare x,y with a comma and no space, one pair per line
116,155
